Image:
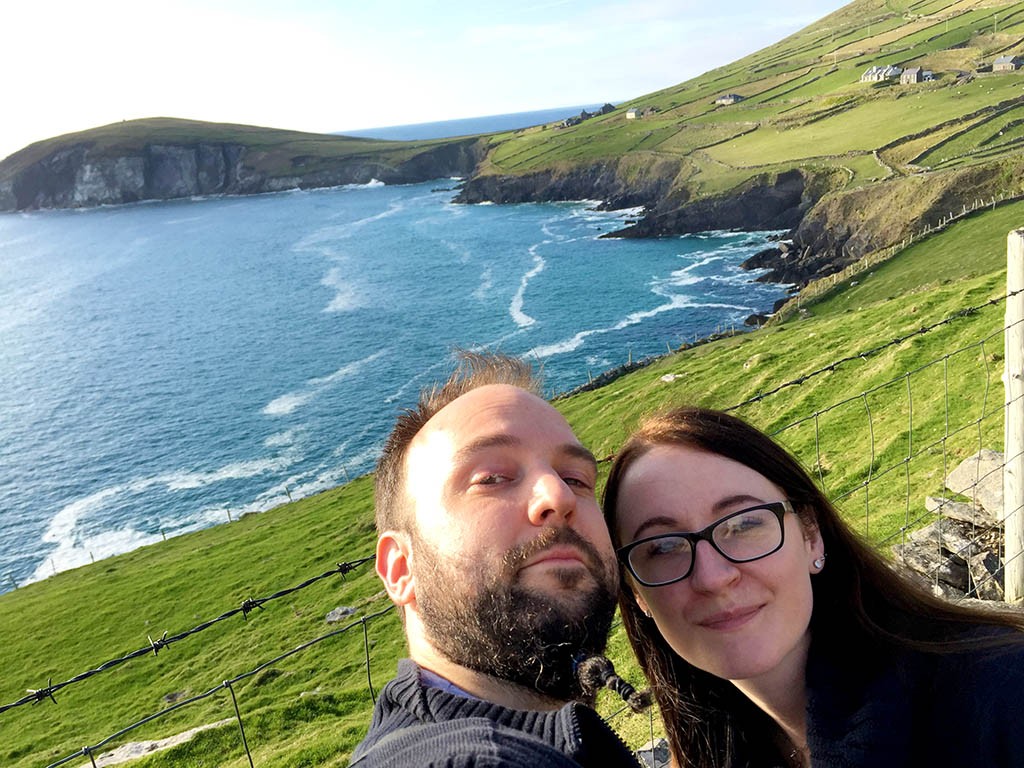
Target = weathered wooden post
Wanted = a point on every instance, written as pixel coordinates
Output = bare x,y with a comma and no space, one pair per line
1013,469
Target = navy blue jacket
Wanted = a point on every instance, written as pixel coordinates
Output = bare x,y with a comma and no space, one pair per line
919,709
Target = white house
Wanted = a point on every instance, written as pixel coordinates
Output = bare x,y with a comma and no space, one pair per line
880,74
1006,64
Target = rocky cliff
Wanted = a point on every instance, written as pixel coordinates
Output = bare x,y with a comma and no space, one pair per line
829,226
619,183
84,174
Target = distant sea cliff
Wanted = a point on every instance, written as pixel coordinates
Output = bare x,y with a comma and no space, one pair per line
163,159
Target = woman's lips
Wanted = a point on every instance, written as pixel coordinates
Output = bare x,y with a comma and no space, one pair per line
735,618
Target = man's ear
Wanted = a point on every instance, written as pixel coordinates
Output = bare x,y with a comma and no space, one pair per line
394,566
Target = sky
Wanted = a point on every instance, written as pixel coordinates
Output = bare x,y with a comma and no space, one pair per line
335,65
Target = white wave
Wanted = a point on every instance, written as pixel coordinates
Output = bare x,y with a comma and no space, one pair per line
628,213
291,401
486,283
515,309
74,553
576,341
320,240
371,184
282,439
347,370
682,280
62,525
286,404
463,253
346,298
237,470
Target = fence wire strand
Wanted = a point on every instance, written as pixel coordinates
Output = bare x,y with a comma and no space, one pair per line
36,695
917,445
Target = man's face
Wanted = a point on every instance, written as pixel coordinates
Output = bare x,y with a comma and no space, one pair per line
513,567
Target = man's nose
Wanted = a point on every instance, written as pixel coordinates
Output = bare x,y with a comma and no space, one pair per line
552,501
711,571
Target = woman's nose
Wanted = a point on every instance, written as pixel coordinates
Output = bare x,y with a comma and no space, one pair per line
711,571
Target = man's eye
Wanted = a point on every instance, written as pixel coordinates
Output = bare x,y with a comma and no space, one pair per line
490,478
576,482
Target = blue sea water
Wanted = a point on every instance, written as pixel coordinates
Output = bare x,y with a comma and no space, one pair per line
165,365
469,126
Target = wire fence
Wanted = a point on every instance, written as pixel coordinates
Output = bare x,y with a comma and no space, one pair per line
906,451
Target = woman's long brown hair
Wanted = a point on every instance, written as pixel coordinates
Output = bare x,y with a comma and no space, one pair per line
863,608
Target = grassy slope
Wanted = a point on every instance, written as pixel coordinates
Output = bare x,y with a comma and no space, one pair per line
313,707
64,625
271,150
804,103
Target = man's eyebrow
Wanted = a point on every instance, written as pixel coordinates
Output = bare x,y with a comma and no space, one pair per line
577,451
572,450
483,443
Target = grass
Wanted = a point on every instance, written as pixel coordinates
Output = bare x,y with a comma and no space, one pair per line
278,152
313,707
805,103
858,420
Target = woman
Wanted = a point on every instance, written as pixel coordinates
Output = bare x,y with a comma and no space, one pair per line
773,636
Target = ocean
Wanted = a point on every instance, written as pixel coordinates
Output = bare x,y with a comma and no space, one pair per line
166,366
470,126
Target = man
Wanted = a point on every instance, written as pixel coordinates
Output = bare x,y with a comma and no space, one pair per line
493,548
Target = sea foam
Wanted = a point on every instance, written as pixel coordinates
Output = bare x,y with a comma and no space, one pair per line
515,308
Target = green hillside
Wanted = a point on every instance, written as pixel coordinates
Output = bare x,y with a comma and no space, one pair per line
803,103
278,152
929,396
312,708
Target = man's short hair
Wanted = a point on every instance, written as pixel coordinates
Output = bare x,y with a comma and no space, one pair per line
474,370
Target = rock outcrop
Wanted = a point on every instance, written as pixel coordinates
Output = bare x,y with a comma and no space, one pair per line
623,183
83,175
959,554
771,202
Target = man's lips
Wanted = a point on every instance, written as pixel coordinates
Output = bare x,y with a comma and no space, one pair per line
733,618
557,555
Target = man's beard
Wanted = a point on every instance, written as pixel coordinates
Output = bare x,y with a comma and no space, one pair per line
527,636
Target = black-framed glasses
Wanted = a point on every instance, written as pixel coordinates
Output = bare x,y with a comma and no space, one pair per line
740,537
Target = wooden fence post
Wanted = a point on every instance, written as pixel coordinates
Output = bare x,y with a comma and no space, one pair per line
1013,469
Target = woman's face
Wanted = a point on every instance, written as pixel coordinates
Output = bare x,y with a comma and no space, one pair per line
738,621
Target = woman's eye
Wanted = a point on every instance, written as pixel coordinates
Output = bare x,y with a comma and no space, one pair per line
576,482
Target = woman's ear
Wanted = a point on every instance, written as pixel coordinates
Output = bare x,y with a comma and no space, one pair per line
642,604
394,566
815,547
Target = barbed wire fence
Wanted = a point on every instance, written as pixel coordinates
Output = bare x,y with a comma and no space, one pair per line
925,456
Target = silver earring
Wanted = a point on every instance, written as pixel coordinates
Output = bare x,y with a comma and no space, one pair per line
820,562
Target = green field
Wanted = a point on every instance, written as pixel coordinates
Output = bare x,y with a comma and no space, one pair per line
311,708
897,414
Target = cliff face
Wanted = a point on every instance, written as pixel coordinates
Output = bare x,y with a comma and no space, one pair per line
77,176
622,183
829,227
778,202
